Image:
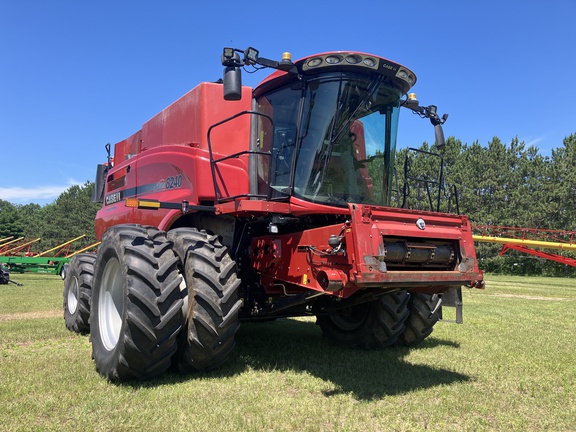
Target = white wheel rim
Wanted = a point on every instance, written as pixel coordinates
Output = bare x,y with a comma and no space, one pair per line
73,295
111,304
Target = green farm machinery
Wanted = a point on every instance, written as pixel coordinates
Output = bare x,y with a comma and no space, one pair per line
15,254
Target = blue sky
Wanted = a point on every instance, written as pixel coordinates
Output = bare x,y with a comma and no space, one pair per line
76,74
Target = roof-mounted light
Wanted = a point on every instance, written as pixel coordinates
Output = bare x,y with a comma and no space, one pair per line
315,62
251,55
370,62
333,59
353,59
406,75
363,63
286,62
228,53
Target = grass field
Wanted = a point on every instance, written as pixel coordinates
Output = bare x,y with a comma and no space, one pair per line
511,366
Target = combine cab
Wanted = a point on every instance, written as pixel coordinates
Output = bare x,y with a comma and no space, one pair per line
240,204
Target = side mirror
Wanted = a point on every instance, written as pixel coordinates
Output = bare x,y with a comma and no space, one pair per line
100,181
232,79
428,112
437,122
440,141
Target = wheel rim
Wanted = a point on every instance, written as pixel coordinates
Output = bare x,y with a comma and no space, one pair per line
351,318
73,295
111,304
184,293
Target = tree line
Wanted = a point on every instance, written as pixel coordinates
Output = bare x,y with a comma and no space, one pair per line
498,184
506,185
69,216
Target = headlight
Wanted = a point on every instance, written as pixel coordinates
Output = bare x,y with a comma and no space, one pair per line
314,62
353,59
333,59
370,62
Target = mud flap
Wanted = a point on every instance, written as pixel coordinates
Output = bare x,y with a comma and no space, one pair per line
453,299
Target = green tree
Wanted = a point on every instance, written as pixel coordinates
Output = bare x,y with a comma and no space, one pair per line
31,219
562,198
10,221
70,216
505,185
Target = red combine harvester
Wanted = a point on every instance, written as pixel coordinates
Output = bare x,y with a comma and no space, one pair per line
240,204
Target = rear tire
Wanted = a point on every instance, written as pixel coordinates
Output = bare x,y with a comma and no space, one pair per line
213,301
421,321
374,325
64,271
136,304
78,292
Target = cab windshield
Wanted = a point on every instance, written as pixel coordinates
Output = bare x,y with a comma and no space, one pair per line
332,141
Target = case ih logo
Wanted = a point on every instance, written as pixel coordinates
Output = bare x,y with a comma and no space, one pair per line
421,224
113,198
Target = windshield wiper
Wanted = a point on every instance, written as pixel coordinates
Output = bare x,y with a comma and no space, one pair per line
352,117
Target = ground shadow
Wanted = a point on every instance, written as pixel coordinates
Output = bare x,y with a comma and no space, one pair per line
298,346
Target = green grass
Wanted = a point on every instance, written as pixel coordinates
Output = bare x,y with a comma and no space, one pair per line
511,366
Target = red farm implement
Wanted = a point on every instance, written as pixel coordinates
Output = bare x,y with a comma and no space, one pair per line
530,241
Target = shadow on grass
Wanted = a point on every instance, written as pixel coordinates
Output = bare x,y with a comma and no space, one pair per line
289,345
299,346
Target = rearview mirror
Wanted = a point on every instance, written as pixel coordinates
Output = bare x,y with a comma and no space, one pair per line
233,80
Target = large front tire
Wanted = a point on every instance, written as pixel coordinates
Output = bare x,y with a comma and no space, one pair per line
136,304
423,316
373,325
213,300
78,292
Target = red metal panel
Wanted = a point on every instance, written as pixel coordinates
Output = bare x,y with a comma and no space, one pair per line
113,211
249,207
305,260
186,121
182,171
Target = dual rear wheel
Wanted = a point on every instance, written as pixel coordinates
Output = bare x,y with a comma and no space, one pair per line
424,314
398,318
